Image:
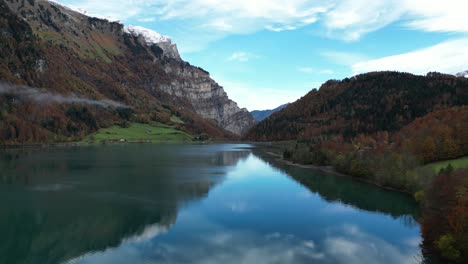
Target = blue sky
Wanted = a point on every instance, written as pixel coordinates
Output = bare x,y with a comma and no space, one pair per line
269,52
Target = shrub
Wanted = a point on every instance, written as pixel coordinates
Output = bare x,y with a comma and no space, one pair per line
446,245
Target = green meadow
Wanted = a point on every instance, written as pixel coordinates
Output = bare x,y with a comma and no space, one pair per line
136,132
456,164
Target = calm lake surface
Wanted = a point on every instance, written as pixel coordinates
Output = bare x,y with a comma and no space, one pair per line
193,204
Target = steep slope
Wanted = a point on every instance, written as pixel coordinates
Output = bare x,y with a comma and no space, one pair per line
260,115
439,135
63,52
379,101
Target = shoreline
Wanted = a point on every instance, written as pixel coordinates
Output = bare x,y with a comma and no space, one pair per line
86,144
332,171
44,145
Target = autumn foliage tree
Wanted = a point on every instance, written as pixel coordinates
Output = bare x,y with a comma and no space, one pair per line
445,221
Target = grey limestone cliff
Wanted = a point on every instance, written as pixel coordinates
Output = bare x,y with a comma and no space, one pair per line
209,99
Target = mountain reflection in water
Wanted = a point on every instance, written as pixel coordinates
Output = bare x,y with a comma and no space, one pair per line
192,204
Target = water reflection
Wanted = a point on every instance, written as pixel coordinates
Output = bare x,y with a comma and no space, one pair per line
346,245
58,204
190,204
348,194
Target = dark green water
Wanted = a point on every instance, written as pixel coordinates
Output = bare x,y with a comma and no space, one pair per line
192,204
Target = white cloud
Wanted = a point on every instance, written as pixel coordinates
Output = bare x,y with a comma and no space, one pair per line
146,19
344,19
220,24
448,57
206,21
279,28
241,56
436,15
148,233
351,19
354,246
245,14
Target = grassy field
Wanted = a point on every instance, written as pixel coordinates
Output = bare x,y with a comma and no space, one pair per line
176,119
153,133
457,164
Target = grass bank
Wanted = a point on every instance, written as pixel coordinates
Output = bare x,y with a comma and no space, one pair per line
137,132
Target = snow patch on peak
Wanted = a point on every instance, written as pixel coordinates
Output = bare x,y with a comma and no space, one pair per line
150,36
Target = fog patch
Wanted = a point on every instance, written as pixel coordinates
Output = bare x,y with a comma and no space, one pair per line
41,97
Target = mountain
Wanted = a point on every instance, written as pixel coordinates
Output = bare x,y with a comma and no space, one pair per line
367,103
48,51
462,74
260,115
150,37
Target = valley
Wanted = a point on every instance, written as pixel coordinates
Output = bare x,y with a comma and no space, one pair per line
115,149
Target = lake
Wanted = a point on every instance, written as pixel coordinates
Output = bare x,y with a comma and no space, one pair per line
216,203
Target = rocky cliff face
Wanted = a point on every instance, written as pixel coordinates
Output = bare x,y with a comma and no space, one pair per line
107,60
207,97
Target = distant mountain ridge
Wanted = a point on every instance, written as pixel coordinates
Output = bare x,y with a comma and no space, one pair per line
260,115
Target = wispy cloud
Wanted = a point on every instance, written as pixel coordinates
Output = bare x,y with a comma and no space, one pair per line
220,24
348,20
448,57
146,19
437,16
351,19
280,28
241,56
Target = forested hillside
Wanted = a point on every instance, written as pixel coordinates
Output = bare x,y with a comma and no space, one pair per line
57,67
368,103
387,128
